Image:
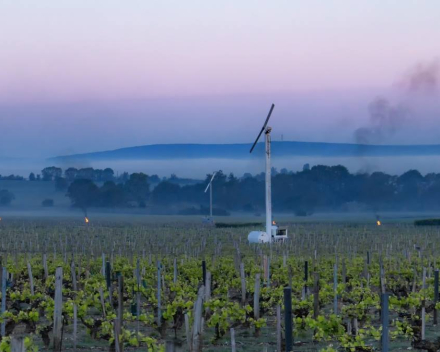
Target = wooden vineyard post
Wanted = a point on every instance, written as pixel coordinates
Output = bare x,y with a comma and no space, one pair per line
233,348
46,271
243,285
188,333
31,278
172,346
208,286
73,273
278,328
17,344
204,272
316,296
101,298
175,271
116,332
138,297
264,268
288,318
120,316
436,295
58,310
335,288
75,308
382,279
159,280
385,323
103,265
423,304
257,297
4,283
306,277
197,327
75,326
108,275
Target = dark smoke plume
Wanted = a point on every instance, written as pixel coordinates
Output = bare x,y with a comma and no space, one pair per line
423,79
385,120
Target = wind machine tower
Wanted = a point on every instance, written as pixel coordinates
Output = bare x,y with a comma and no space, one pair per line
273,233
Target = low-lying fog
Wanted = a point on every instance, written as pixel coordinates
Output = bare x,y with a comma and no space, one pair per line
198,168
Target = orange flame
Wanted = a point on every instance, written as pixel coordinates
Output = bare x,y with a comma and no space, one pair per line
86,219
274,223
378,223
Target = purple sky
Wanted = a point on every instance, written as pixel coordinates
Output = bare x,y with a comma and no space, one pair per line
82,75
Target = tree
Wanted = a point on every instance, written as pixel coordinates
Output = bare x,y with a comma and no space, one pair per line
50,173
410,186
165,193
61,184
31,176
108,175
87,173
6,197
83,193
71,173
111,195
137,187
154,179
124,177
98,175
378,190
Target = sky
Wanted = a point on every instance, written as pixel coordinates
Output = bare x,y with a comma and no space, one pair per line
81,76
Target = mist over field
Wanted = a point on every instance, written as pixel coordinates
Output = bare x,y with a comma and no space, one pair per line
140,123
199,168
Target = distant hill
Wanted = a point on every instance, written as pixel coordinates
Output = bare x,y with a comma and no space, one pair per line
241,151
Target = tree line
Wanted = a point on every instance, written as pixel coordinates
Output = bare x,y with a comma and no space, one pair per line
319,188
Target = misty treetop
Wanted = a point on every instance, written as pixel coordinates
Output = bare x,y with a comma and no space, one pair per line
317,188
11,178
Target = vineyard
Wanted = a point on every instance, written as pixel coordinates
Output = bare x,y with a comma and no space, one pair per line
175,286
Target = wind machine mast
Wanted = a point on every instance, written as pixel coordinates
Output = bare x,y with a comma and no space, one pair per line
273,233
210,219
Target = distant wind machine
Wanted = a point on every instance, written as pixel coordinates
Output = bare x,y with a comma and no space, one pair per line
210,219
273,233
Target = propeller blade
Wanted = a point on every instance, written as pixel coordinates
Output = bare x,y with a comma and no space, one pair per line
213,175
256,141
264,126
212,179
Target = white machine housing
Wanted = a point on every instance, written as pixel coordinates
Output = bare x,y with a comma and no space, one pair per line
258,237
279,234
